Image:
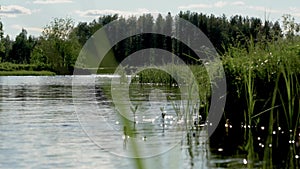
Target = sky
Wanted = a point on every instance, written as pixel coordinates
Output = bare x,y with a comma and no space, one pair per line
33,15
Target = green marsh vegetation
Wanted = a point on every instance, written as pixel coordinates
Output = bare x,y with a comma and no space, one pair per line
26,73
11,69
263,83
262,100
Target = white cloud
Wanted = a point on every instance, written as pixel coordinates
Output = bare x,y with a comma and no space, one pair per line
294,11
264,9
52,1
96,13
195,6
32,29
14,10
219,4
238,3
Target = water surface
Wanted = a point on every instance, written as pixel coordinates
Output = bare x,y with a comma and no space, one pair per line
40,129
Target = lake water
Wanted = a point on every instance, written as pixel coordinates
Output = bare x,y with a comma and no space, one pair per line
39,128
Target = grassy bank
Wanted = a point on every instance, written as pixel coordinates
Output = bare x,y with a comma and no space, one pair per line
26,73
7,66
11,69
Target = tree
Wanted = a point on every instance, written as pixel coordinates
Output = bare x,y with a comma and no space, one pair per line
168,31
121,49
7,45
1,30
276,31
83,32
22,48
290,28
2,48
132,45
59,45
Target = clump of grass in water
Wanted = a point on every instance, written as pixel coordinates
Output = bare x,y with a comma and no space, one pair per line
289,99
159,77
176,108
250,99
274,67
292,98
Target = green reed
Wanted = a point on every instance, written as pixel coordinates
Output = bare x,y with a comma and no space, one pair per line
290,103
262,80
270,79
250,102
289,98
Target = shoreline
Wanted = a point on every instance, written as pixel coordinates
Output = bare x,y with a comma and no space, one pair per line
26,73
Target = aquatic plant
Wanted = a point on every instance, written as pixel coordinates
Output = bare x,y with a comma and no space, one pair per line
133,110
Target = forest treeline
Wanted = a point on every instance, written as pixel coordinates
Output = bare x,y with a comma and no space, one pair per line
58,46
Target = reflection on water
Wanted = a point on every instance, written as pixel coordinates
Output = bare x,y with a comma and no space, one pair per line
39,129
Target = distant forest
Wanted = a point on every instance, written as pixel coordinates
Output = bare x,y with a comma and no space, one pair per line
61,41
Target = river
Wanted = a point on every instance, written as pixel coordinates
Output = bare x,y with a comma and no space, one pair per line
39,128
